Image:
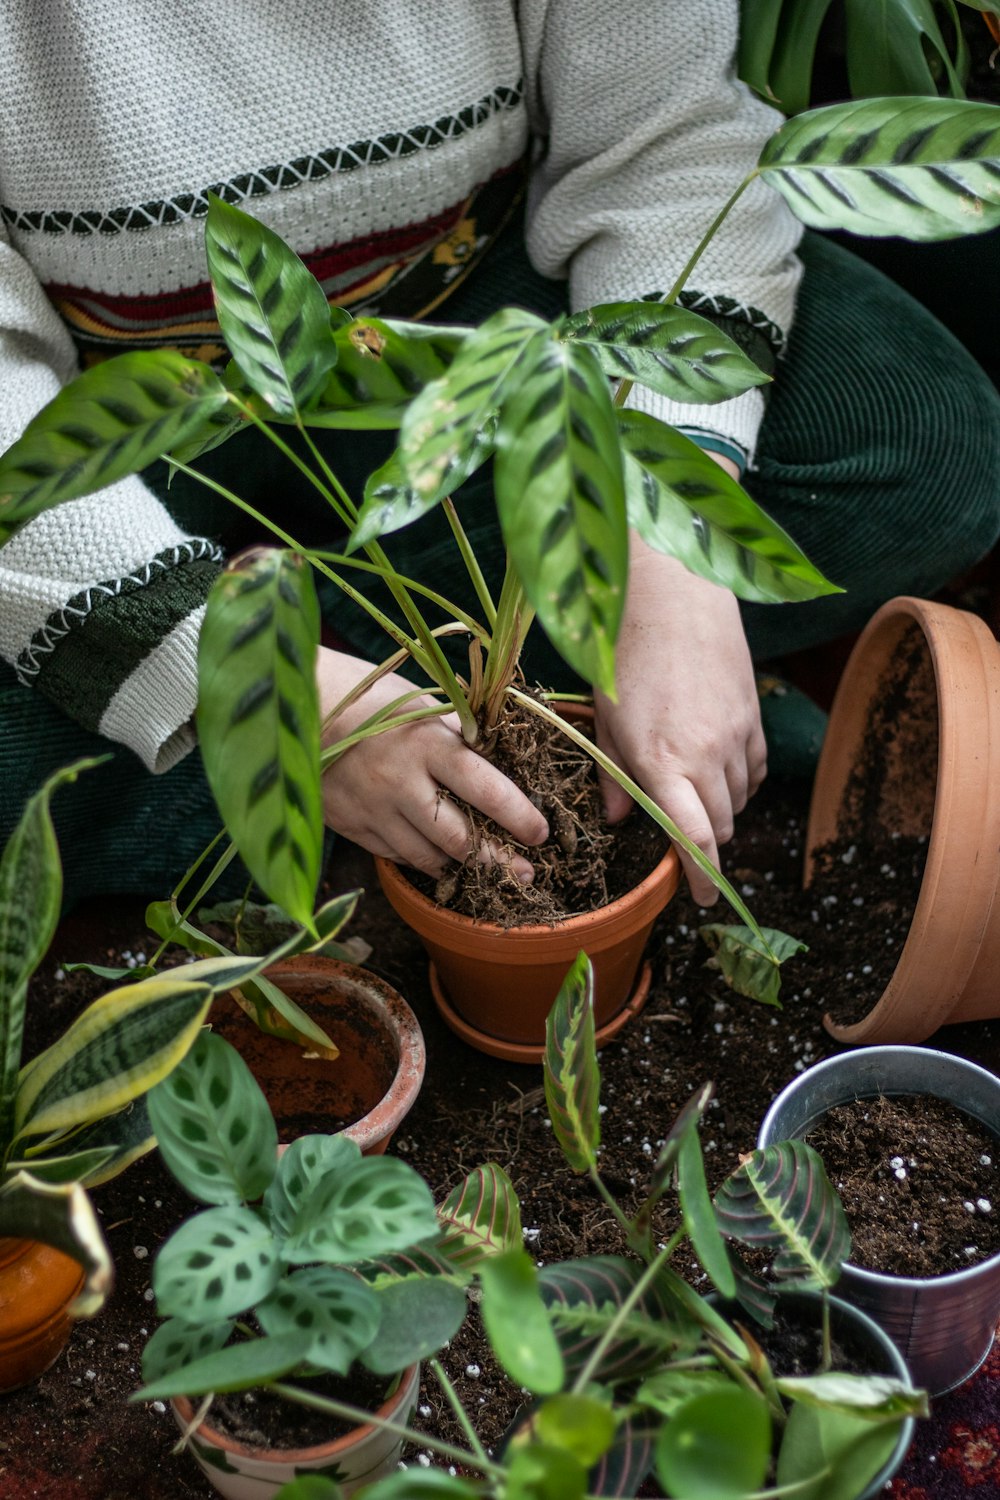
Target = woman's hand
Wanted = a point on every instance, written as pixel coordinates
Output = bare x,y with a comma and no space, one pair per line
686,726
384,793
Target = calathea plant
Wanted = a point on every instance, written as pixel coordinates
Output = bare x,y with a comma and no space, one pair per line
627,1366
574,469
75,1115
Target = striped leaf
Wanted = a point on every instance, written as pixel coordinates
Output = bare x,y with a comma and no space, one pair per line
238,1367
479,1218
110,421
271,309
517,1322
584,1295
118,1048
335,1315
61,1215
675,352
216,1265
683,503
213,1125
447,432
114,1142
928,169
561,502
781,1199
259,721
572,1078
390,503
30,900
381,365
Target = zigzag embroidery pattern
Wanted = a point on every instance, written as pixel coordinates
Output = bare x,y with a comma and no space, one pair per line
72,615
271,179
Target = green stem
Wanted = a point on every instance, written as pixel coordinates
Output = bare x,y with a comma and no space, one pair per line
341,559
471,564
513,621
379,724
634,1297
653,809
461,1415
623,1219
220,865
622,393
358,1417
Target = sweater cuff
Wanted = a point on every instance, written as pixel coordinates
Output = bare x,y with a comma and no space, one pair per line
153,710
732,425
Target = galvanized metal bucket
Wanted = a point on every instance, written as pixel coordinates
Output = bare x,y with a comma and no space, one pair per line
942,1325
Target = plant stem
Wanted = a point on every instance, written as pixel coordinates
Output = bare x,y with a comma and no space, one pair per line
652,808
461,1415
513,621
624,389
472,567
358,1417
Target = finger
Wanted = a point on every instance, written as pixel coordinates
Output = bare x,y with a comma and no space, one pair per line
756,761
483,786
685,806
617,802
449,832
737,785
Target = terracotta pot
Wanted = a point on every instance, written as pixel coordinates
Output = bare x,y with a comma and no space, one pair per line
239,1472
374,1082
942,1325
495,985
927,764
37,1286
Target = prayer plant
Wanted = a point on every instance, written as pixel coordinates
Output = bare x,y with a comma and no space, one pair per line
75,1114
308,1264
574,469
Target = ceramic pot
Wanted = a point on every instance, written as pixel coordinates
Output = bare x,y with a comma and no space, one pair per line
942,1325
374,1082
913,747
239,1472
863,1336
37,1286
495,985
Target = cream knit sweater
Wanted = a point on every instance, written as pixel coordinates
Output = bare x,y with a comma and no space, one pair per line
358,130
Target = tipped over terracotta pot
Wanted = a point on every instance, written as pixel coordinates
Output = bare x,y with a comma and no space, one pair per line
913,749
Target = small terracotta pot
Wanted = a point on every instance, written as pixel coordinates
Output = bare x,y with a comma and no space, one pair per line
37,1286
927,765
374,1082
359,1457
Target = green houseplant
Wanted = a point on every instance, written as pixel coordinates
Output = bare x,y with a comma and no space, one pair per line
626,1365
574,469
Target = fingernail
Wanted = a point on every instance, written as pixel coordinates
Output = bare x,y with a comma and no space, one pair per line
525,874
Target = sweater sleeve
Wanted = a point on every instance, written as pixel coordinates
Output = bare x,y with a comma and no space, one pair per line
646,134
102,598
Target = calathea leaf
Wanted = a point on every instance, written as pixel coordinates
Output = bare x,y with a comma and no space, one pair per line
176,1344
928,169
238,1367
381,366
369,1208
561,503
682,502
447,431
671,350
780,1198
585,1295
572,1079
215,1130
749,966
271,309
216,1265
417,1317
300,1170
699,1219
334,1314
259,721
110,421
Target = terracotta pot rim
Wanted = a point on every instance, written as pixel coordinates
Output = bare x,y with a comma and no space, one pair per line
959,647
382,1120
291,1456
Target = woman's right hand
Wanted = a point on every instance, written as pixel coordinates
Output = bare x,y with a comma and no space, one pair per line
385,793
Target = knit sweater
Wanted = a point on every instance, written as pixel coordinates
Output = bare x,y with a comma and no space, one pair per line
384,140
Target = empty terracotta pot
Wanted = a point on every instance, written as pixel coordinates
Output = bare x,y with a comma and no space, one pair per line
913,748
37,1286
374,1082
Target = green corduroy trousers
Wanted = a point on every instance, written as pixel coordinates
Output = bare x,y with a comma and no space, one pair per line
879,453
